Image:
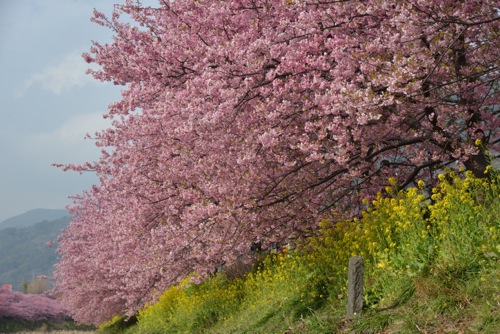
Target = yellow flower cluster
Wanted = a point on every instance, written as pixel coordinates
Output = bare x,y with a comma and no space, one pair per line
405,234
465,215
187,306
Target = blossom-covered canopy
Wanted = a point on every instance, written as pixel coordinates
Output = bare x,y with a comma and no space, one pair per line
248,120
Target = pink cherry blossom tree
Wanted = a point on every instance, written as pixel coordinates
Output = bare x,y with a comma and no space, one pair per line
32,308
248,120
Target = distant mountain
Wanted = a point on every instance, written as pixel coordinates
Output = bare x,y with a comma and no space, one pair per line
24,253
32,217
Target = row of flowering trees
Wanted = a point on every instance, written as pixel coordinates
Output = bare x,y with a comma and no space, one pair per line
248,121
30,308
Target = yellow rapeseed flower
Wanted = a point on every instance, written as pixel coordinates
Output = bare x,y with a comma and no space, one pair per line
393,181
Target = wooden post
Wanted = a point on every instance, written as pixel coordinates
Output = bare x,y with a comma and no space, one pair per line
355,286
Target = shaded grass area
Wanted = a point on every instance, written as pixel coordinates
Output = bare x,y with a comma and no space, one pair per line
431,266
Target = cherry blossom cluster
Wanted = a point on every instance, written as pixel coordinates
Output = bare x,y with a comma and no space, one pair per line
17,306
247,121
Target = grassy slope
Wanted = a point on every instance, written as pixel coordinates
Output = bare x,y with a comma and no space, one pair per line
429,268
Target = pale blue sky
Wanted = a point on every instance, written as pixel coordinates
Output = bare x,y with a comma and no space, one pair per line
48,103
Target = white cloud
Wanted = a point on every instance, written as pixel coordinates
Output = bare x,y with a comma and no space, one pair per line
67,74
66,144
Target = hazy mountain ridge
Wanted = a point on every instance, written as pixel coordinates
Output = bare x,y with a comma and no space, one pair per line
32,217
24,252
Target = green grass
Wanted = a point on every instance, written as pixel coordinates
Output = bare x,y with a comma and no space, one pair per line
431,266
